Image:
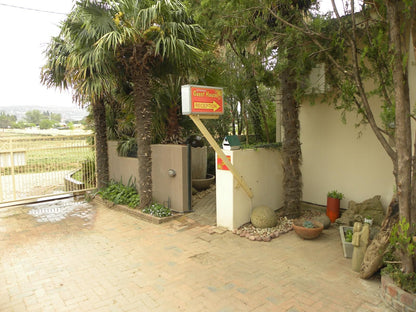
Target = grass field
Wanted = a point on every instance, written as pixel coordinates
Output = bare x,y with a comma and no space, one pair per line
45,154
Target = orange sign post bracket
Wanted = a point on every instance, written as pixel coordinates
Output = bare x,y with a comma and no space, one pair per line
196,119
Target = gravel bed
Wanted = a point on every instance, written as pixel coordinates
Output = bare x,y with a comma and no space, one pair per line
284,225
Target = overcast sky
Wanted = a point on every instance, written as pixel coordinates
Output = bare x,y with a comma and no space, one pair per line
24,34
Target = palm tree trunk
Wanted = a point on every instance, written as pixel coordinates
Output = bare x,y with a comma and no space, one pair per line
143,116
291,149
98,109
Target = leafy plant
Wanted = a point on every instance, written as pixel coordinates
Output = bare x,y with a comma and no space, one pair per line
335,194
308,224
158,210
348,236
121,194
400,242
401,238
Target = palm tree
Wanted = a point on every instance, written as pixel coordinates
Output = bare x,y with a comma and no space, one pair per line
149,36
73,62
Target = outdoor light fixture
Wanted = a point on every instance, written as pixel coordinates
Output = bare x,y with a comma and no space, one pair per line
171,173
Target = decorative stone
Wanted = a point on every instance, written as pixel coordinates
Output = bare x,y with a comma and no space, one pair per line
356,212
324,219
263,217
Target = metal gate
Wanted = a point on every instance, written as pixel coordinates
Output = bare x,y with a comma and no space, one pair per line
34,167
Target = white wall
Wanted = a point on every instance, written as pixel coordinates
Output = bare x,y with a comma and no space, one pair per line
262,170
343,157
336,156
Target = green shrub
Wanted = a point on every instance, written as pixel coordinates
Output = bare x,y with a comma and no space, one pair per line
121,194
348,236
308,224
400,242
335,194
158,210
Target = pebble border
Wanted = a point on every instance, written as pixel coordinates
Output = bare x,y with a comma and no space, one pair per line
395,297
252,233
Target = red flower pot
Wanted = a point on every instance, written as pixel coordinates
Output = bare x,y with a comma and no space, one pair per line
332,208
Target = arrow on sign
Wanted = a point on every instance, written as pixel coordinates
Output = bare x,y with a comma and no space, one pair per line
214,106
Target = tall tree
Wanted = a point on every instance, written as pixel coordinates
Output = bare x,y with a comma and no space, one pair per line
73,62
234,26
373,45
6,120
146,35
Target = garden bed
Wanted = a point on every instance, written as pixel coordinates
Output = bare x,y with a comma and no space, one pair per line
136,212
395,297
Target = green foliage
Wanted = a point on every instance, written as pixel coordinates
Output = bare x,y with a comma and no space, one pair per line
7,120
127,147
277,145
406,281
158,210
308,224
401,241
348,236
18,125
46,124
335,194
118,193
401,238
34,116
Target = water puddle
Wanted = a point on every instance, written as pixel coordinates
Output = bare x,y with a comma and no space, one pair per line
64,209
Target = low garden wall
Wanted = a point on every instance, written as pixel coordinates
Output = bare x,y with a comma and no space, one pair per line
395,297
262,170
170,191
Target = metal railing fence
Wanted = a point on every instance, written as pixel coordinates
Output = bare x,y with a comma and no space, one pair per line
33,167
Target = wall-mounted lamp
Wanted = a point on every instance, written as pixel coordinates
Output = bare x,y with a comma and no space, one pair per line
171,173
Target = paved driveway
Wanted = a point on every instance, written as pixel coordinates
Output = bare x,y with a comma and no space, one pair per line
66,256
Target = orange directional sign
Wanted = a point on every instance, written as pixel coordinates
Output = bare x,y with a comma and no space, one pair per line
202,100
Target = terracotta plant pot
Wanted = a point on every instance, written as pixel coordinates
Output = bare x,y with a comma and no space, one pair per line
332,208
307,233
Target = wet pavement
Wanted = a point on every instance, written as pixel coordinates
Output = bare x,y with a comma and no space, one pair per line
71,255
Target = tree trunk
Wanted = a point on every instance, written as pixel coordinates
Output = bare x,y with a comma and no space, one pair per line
397,22
291,149
143,117
98,109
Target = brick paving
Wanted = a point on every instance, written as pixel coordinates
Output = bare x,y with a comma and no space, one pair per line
98,259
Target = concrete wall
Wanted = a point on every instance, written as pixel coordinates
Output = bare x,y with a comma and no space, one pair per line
169,191
262,171
336,156
121,168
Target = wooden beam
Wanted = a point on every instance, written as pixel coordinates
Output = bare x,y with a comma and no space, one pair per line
196,119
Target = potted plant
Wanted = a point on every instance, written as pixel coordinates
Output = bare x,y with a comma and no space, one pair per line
308,229
346,240
368,220
332,204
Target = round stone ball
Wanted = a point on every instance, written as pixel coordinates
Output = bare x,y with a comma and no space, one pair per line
324,219
263,217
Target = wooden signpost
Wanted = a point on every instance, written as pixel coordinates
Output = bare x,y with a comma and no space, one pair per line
202,102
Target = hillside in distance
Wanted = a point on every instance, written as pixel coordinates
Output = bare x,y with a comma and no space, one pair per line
68,113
